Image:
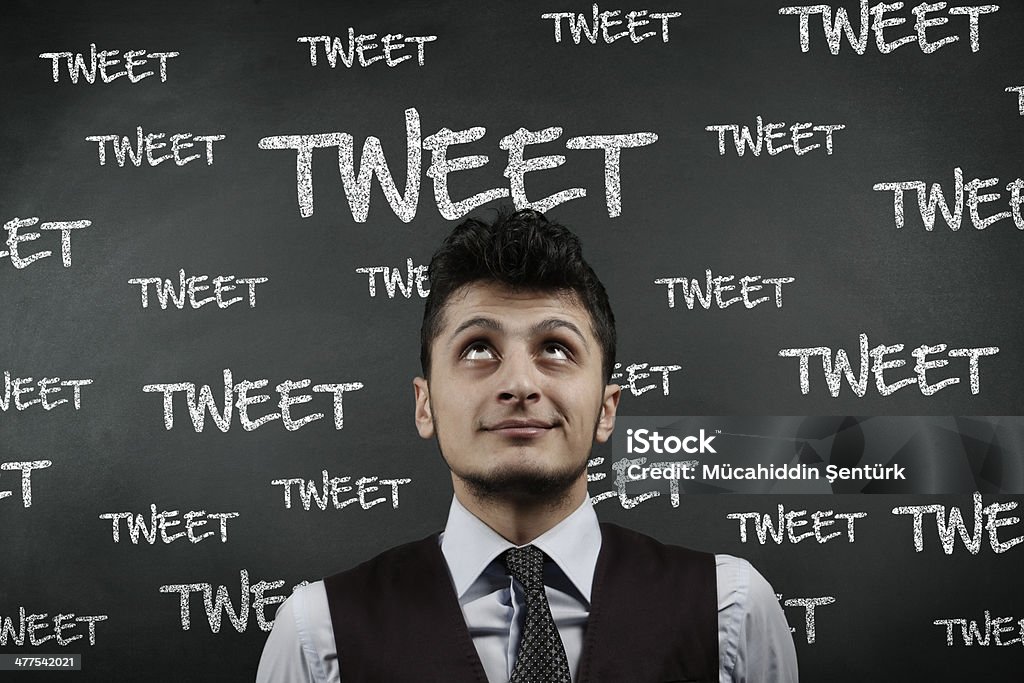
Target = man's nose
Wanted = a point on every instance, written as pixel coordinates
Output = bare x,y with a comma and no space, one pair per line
518,379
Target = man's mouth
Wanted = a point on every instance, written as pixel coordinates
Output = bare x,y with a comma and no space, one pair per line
521,428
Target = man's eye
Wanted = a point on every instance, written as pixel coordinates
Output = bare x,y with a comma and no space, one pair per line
556,351
478,351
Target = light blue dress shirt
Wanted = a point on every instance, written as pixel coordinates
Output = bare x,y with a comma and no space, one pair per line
754,640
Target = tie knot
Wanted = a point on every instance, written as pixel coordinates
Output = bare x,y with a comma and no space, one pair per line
526,565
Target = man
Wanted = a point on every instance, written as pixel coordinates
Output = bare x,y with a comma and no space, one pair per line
517,348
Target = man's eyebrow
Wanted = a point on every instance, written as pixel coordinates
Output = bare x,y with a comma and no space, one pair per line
486,323
548,325
552,324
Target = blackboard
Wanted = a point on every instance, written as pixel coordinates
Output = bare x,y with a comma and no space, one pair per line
875,120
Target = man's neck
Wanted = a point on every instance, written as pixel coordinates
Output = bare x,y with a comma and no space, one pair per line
518,521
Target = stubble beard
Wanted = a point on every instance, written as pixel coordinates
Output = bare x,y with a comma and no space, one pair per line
520,485
523,485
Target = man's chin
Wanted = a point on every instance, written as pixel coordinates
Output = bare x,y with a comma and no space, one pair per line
523,485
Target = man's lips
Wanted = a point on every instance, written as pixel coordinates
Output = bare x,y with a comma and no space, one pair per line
520,429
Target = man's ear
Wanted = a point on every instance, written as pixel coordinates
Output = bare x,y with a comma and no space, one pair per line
606,420
424,418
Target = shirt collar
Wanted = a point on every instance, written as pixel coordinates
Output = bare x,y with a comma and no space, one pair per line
469,545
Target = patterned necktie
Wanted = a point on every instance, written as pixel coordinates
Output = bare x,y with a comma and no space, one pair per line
541,654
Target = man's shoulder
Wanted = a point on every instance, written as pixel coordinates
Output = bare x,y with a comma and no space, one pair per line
737,578
741,583
736,566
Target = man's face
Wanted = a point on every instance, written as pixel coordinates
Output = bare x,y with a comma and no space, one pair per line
516,395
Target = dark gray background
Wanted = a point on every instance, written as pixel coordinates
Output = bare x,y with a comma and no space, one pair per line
909,116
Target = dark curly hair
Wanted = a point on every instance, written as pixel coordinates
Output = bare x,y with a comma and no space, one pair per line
523,251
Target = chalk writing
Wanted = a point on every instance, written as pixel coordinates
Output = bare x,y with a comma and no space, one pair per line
331,491
357,185
878,24
16,388
604,26
238,395
786,525
26,468
1019,89
164,520
592,476
927,202
14,239
32,624
218,602
148,148
398,281
873,363
766,135
950,525
995,633
810,621
637,374
104,62
357,48
717,290
195,285
622,478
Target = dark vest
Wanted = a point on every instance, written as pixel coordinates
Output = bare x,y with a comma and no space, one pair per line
653,616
